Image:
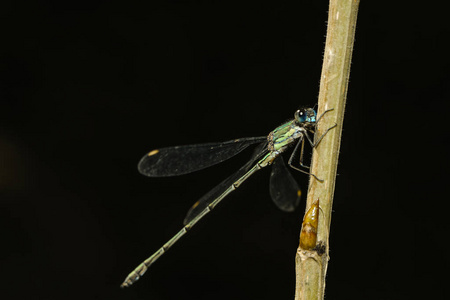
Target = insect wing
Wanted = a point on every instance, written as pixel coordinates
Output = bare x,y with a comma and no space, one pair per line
284,189
204,201
179,160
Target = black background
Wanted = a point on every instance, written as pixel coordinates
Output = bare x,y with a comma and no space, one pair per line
89,88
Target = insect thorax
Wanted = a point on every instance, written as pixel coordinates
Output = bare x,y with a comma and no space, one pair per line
281,137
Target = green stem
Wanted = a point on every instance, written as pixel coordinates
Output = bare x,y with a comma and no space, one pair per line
311,266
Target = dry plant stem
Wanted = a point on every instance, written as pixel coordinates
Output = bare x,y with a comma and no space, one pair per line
310,266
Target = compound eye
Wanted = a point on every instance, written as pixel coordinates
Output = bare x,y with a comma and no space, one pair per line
300,116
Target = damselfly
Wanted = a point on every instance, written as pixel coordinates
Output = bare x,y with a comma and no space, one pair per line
180,160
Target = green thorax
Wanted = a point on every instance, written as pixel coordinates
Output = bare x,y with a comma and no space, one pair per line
284,135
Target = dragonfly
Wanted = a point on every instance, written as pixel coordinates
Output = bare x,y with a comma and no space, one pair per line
284,190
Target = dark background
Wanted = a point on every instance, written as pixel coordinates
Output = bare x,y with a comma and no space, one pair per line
88,88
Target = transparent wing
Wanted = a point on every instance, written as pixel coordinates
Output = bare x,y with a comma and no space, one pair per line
284,189
181,160
204,201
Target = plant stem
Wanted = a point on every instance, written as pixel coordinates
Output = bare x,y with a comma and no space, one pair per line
311,265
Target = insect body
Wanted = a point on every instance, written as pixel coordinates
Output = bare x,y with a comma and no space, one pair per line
180,160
